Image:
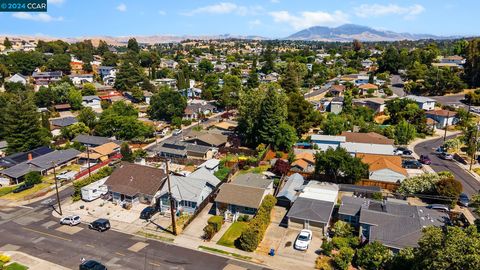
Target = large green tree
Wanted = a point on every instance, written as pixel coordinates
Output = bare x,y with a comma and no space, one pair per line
23,130
339,166
374,256
167,104
128,75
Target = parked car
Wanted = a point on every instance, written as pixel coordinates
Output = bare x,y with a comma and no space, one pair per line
424,159
92,265
70,220
440,150
303,240
463,200
446,156
439,207
411,164
66,176
177,132
403,151
100,225
148,212
22,187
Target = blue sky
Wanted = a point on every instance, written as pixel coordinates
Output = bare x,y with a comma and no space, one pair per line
269,18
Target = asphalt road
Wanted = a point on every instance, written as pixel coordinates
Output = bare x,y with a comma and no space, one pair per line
470,184
32,229
452,100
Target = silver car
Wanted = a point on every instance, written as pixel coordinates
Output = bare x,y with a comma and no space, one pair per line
70,220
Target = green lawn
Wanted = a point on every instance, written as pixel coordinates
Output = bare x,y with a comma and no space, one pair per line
6,190
23,194
235,230
16,266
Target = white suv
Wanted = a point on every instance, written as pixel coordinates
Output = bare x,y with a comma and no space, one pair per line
70,220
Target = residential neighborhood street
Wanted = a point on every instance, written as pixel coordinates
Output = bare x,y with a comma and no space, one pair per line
32,230
470,184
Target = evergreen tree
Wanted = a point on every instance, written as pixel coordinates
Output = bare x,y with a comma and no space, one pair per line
472,65
252,81
23,130
291,82
133,45
268,58
128,75
102,47
273,112
7,43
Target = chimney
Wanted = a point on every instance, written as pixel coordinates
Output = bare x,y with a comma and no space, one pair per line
30,156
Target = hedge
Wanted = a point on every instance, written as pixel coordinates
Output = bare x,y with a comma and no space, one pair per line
77,185
253,235
216,222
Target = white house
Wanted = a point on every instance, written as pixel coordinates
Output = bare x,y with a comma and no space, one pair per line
93,102
424,103
443,117
79,79
18,78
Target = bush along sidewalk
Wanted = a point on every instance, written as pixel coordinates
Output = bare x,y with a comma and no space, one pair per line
253,235
214,224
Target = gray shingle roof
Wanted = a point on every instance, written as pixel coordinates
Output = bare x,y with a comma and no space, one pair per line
240,195
394,225
187,188
205,174
253,180
64,122
310,209
41,163
94,140
289,190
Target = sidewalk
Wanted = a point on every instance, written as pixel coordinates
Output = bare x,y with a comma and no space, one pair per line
31,262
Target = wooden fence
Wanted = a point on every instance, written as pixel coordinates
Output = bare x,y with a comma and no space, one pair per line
96,166
383,185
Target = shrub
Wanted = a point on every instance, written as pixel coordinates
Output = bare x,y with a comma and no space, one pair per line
327,247
216,222
186,122
253,235
323,263
208,232
342,229
373,256
33,178
377,196
243,218
343,258
4,258
341,242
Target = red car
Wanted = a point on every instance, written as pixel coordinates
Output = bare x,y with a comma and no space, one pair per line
424,159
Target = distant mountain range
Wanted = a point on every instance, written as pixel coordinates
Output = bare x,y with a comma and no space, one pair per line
344,33
349,32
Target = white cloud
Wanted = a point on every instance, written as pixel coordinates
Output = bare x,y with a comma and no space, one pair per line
310,18
225,8
122,7
376,10
254,23
40,17
55,2
162,12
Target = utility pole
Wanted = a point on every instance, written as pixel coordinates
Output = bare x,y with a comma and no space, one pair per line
88,161
172,201
472,158
56,187
446,127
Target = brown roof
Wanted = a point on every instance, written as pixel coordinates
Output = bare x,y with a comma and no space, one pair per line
371,137
106,149
214,139
240,195
379,162
443,113
300,163
131,179
368,86
338,87
306,156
